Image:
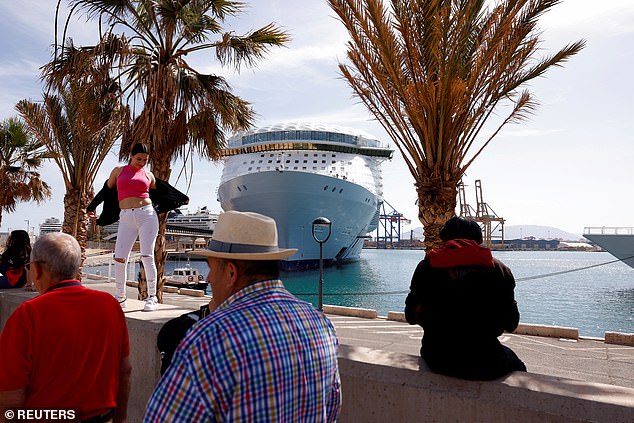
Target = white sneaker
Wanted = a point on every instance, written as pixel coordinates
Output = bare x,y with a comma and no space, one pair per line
123,302
151,304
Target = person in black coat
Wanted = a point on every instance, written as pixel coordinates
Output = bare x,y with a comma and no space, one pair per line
464,300
134,196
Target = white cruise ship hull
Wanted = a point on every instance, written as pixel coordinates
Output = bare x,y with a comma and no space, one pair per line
294,199
617,241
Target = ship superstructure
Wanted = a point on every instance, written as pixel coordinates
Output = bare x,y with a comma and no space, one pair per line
201,219
51,224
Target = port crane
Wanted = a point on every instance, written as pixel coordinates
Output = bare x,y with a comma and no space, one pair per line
389,227
491,224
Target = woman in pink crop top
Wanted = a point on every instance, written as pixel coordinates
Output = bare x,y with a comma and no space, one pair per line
137,218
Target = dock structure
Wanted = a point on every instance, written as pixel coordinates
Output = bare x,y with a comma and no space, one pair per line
490,223
389,227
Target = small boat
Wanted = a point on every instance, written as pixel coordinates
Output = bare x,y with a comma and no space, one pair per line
186,277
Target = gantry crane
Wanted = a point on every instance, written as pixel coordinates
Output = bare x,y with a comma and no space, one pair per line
488,220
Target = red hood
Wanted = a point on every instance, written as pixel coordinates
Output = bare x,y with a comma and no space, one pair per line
460,252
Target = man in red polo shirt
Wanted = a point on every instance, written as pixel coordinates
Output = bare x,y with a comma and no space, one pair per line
68,348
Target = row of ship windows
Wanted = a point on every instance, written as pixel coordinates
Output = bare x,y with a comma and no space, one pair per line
333,169
333,189
298,135
296,161
244,187
305,155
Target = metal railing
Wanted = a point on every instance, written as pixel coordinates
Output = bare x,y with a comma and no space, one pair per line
608,230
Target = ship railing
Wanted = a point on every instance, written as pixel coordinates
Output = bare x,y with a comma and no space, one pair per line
608,230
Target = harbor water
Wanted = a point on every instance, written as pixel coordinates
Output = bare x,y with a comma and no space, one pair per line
594,300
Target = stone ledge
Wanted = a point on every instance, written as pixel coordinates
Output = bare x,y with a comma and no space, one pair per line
619,338
522,328
192,292
397,316
351,311
547,331
170,289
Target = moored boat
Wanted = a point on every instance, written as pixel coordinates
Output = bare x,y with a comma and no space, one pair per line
186,277
618,241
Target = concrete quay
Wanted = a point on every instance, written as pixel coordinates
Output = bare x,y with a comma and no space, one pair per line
383,378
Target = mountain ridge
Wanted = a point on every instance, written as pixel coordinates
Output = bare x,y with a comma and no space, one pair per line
517,232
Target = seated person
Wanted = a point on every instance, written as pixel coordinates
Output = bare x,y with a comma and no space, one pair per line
12,261
463,298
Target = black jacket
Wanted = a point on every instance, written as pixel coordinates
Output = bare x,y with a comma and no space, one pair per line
164,198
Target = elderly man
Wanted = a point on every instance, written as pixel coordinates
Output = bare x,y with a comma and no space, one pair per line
261,355
66,349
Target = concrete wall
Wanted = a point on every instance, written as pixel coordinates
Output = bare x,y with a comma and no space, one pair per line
381,386
142,329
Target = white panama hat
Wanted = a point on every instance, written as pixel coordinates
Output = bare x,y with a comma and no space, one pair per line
245,236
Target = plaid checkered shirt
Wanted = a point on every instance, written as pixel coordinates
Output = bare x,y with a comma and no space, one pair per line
262,356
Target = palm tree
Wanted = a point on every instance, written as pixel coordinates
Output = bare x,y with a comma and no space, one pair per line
183,110
432,72
79,126
20,158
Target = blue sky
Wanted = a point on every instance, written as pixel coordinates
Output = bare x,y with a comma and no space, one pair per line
568,166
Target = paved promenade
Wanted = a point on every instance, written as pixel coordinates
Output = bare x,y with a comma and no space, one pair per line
587,360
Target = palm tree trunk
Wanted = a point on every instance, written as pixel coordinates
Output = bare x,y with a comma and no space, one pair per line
161,169
436,205
75,218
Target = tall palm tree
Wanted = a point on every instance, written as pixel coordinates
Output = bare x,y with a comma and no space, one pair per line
432,72
20,157
79,126
147,42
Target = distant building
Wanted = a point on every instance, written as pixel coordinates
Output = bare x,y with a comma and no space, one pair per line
529,243
51,224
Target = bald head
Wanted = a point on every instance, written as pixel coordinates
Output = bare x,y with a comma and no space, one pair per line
59,254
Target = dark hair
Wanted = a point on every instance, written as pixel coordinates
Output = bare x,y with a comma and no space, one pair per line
17,248
460,228
254,270
139,148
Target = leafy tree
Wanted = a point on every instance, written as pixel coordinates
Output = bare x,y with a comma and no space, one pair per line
79,126
432,72
20,157
182,110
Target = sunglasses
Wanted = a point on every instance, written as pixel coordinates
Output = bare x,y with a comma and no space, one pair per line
28,265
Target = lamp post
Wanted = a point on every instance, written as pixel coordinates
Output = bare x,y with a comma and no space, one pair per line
321,232
28,223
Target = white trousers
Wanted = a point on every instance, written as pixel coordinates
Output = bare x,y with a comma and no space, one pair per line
141,222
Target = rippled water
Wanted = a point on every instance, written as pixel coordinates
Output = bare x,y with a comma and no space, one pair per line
594,300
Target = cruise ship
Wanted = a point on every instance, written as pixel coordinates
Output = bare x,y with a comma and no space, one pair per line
618,241
51,224
201,219
296,172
